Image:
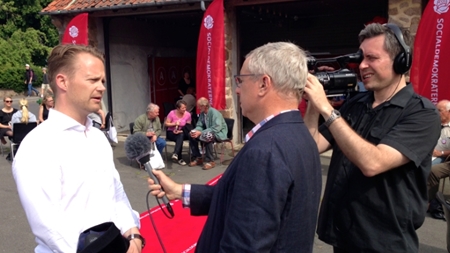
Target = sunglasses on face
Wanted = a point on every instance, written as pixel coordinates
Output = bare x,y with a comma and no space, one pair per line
8,101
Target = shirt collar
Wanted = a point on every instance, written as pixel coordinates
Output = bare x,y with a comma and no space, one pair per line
65,122
260,124
400,99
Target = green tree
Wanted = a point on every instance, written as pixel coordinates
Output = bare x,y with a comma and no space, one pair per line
24,14
25,37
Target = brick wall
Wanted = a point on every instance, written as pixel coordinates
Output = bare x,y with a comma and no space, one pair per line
406,13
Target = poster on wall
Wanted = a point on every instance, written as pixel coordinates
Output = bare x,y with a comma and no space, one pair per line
165,74
431,62
211,56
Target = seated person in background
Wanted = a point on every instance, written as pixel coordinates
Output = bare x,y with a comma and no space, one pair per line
150,125
176,123
98,119
5,118
23,115
210,126
44,108
442,149
190,100
439,170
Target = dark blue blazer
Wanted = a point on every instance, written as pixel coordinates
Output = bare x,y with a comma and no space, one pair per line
267,199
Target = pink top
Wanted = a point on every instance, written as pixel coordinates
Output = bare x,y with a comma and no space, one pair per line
172,117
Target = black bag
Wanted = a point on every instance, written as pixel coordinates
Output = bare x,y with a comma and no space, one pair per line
103,238
34,76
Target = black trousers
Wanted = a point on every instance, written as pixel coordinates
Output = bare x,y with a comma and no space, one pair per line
195,152
178,139
339,250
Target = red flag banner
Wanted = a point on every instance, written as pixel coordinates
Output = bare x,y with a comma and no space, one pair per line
431,61
77,30
211,56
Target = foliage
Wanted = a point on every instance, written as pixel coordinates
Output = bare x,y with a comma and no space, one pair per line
24,14
13,78
25,37
18,51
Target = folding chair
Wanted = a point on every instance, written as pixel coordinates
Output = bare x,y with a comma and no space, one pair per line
446,206
108,125
443,179
108,122
229,139
131,127
20,130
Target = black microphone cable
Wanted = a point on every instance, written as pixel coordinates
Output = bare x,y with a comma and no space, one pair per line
169,209
169,215
165,199
137,146
153,222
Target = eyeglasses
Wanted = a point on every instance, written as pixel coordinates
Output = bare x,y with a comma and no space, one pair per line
8,101
238,79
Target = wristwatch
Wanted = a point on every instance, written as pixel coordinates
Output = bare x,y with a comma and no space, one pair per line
137,236
335,114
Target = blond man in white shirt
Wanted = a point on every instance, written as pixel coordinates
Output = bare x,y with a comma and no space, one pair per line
79,187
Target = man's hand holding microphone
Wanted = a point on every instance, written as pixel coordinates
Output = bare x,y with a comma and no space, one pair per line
171,189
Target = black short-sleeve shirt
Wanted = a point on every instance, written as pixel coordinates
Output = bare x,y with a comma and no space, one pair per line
380,213
5,118
183,86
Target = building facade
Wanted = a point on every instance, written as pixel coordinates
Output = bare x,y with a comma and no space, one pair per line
148,44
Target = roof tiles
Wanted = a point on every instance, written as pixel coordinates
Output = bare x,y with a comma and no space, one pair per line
71,6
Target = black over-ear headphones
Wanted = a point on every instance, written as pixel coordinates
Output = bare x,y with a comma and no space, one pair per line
403,60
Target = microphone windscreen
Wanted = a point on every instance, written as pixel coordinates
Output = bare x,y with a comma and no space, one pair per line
136,145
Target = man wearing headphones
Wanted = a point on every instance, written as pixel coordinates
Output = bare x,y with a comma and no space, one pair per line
382,141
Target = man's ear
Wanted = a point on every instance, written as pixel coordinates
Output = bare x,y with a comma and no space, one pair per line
265,86
61,81
267,82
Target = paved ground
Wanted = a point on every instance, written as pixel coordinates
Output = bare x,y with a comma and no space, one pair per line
15,234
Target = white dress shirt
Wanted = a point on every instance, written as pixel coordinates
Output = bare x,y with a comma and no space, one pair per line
76,188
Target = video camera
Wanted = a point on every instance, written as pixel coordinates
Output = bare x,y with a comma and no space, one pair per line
341,81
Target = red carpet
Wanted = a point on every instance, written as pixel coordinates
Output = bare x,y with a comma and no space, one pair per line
179,234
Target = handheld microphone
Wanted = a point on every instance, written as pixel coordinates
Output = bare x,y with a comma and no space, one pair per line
137,146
